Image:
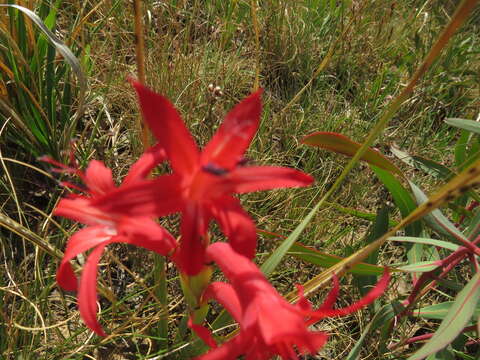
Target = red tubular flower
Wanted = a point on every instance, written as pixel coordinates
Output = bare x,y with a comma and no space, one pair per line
269,325
202,183
104,228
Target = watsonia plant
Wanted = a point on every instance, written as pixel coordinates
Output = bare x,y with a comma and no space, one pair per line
201,191
200,188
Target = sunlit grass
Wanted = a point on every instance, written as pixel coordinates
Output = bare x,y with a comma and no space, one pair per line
190,45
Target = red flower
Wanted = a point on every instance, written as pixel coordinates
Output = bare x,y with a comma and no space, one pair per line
202,183
269,325
104,228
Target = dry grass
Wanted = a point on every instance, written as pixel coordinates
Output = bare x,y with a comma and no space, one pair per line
189,45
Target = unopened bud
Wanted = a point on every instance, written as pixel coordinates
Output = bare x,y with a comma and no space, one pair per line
217,91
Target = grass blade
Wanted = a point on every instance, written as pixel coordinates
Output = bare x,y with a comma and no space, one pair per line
69,57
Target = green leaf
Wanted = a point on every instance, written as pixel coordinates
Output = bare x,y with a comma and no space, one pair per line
421,266
69,57
457,317
343,145
436,220
319,258
160,329
426,241
428,166
445,354
272,262
402,198
379,227
469,125
461,149
474,224
438,311
386,313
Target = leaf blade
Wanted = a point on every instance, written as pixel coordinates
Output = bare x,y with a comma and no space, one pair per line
342,144
458,316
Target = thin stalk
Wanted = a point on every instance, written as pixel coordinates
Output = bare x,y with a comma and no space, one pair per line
140,60
253,7
160,278
424,337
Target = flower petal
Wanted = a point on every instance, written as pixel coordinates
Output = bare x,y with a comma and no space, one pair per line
142,167
169,129
157,197
332,295
144,232
226,295
87,295
234,266
302,302
237,225
371,296
66,277
257,178
98,178
80,209
280,324
203,333
233,137
190,257
81,241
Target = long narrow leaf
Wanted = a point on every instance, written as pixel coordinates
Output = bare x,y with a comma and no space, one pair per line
69,57
428,166
436,220
343,145
425,241
439,311
469,125
322,259
458,316
271,263
401,197
422,266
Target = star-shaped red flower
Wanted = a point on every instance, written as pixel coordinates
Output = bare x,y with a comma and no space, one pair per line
104,228
269,325
202,183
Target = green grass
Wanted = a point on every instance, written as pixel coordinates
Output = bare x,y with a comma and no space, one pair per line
191,44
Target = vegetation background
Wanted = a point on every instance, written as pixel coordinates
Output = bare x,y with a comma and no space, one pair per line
205,56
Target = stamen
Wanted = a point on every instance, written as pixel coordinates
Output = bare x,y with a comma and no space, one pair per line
214,169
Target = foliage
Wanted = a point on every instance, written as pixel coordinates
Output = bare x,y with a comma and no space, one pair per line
326,69
39,98
430,261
